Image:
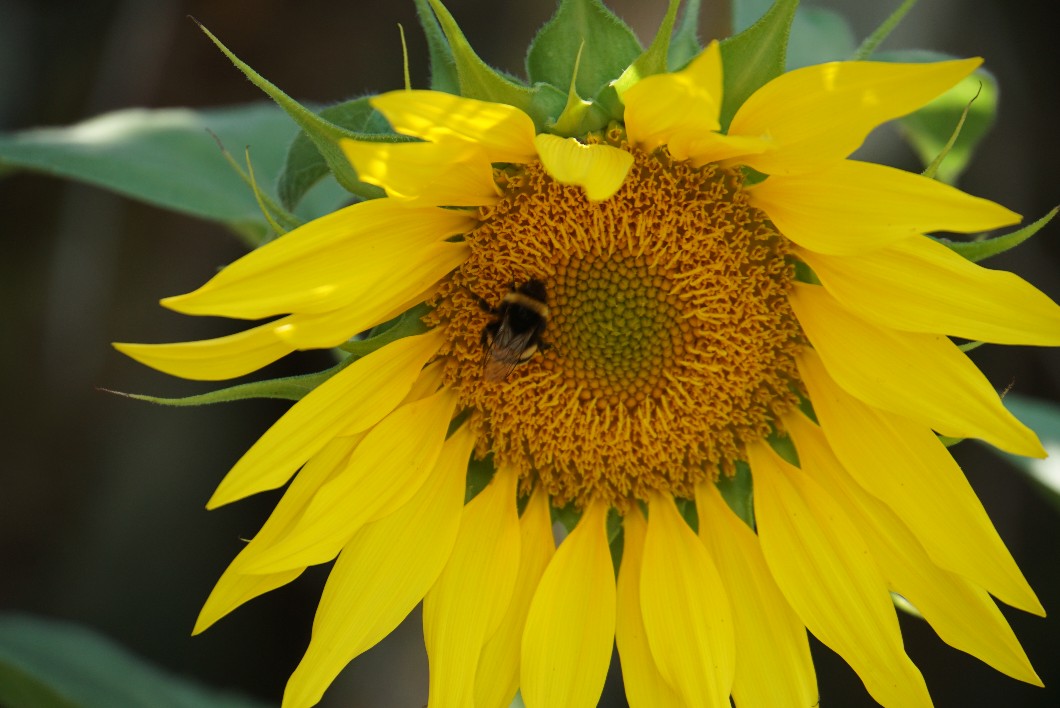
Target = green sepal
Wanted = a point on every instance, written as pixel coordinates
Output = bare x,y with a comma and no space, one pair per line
568,515
442,63
324,134
755,56
986,247
952,125
476,79
606,43
579,116
277,217
688,511
306,165
290,388
738,492
868,47
406,324
685,45
654,59
47,663
785,447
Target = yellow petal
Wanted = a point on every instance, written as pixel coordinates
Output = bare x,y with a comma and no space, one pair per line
385,470
599,169
822,113
773,663
855,207
505,132
213,359
236,586
686,101
686,610
449,173
382,574
921,285
715,147
923,377
465,607
497,678
822,565
960,611
404,282
355,398
330,262
908,468
645,686
570,629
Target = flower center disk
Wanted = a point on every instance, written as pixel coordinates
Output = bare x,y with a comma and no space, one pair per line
669,343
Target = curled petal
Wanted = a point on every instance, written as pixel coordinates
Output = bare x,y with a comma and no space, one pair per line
599,169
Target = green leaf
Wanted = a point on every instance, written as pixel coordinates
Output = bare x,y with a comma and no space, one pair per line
406,324
737,491
306,165
1043,417
685,43
477,79
443,64
929,129
984,248
755,56
818,35
50,664
324,134
164,157
607,45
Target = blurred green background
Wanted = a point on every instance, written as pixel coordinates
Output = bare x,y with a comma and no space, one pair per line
101,498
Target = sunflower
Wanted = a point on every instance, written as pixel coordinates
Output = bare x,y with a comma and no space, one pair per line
617,325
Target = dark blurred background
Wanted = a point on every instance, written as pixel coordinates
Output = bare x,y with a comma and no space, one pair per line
101,498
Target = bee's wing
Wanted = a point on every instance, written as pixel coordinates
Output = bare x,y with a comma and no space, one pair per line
505,352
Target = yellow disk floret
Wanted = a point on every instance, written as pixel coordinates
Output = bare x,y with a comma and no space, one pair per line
670,343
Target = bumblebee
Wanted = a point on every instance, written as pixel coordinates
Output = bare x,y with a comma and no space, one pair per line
514,334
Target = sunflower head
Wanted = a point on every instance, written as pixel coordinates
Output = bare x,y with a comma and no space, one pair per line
652,296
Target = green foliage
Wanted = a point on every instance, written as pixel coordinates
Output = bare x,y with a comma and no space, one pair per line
49,664
685,43
168,158
655,57
607,46
1043,417
291,388
986,247
306,165
443,63
755,56
477,79
868,47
